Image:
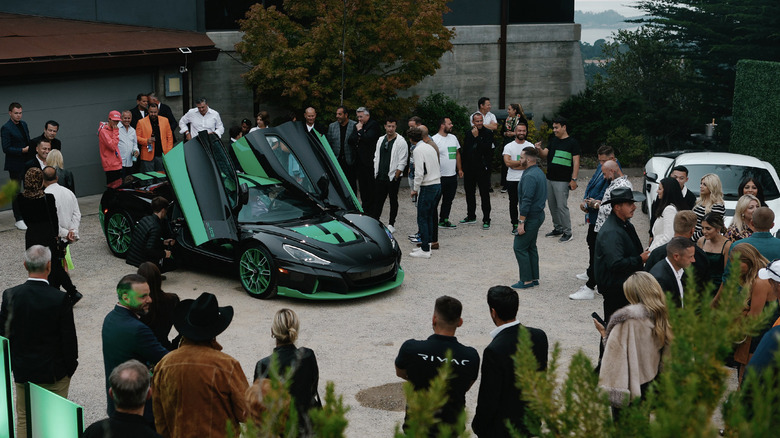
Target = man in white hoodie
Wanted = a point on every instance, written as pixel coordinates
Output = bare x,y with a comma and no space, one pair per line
427,187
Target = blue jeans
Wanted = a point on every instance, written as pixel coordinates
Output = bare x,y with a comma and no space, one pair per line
426,213
526,252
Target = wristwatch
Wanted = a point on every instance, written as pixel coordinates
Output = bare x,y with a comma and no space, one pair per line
574,179
520,222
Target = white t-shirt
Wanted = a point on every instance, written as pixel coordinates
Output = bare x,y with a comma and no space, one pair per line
448,152
513,149
486,118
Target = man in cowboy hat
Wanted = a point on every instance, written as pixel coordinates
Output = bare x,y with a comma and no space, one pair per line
618,252
198,378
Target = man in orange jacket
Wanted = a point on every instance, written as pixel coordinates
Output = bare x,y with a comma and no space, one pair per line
154,139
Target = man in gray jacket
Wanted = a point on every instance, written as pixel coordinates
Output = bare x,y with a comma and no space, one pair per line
338,133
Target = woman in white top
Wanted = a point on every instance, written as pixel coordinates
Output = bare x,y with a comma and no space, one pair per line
670,201
710,200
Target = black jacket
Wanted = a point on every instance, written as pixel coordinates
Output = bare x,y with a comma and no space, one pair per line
364,141
499,399
305,376
44,347
701,265
617,254
665,276
147,242
477,152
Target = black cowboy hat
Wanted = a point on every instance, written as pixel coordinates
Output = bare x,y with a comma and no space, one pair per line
202,319
624,194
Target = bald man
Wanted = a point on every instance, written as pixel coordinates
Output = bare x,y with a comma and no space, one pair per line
617,178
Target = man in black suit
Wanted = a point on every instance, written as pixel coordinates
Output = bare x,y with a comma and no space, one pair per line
16,139
669,271
166,112
684,226
680,173
139,111
130,389
38,320
42,149
50,130
363,139
499,399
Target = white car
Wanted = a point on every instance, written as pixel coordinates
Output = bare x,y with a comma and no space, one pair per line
731,168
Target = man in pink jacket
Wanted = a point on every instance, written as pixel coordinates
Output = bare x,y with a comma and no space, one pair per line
108,139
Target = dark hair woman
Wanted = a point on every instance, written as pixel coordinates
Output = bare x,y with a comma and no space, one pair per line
750,186
670,201
160,315
715,245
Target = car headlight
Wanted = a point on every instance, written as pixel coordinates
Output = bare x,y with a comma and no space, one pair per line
304,256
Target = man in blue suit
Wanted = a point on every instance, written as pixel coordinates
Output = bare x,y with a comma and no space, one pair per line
125,337
16,139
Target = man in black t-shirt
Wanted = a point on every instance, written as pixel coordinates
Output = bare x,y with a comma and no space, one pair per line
563,165
419,361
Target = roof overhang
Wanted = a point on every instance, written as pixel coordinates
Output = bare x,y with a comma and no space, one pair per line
32,45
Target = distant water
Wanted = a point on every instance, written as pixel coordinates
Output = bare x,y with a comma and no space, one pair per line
622,7
592,34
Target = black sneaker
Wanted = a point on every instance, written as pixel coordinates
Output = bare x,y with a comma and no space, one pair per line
468,220
447,224
566,237
554,233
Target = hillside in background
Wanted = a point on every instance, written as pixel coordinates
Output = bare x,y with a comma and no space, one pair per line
608,19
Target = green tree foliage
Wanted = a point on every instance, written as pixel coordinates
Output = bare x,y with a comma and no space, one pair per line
391,45
713,35
644,90
756,105
436,106
684,396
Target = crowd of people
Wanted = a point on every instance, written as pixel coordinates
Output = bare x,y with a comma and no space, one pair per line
190,372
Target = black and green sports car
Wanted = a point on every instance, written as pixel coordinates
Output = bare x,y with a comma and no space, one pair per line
275,208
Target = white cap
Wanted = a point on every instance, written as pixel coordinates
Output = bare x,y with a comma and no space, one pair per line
771,272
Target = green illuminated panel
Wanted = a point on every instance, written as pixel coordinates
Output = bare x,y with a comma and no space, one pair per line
49,415
7,413
330,232
176,167
246,157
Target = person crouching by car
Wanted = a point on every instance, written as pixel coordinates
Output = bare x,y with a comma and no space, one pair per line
149,242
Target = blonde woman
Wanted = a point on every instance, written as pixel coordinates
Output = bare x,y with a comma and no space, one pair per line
710,200
742,225
64,177
300,361
756,279
635,339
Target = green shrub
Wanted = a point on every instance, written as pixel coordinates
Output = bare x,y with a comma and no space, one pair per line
682,399
630,148
437,106
755,130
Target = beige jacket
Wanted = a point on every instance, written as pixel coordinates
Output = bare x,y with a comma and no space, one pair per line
631,356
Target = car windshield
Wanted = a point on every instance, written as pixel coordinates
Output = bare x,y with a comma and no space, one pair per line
730,177
274,203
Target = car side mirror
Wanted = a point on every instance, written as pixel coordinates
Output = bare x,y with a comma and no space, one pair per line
243,194
322,184
651,177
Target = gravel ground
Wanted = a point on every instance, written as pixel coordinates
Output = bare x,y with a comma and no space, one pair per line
355,341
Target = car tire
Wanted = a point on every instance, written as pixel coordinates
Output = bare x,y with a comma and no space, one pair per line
119,231
257,272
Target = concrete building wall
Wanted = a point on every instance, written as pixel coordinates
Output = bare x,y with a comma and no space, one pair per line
544,66
221,83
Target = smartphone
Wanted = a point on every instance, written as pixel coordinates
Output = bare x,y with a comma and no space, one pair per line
598,318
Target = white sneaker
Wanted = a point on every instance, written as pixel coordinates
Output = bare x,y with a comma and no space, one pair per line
583,293
419,253
583,276
391,228
20,225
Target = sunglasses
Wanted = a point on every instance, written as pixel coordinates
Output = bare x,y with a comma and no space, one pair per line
769,268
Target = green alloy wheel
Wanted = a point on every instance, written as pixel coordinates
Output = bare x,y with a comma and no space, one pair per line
257,272
119,231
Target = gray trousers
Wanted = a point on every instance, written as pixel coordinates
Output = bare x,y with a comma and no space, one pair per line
558,201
